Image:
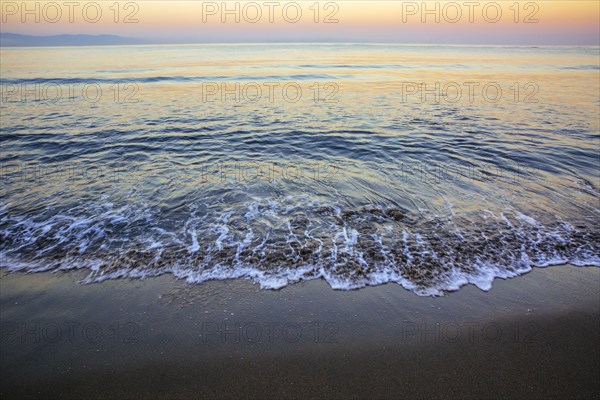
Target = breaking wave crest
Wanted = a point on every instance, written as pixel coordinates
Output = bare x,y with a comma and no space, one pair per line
276,242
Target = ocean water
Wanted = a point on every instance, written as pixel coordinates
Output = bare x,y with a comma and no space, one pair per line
429,166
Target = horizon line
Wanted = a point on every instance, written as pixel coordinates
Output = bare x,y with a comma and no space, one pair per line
155,42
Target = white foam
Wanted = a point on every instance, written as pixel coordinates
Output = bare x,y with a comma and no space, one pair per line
195,246
264,220
525,218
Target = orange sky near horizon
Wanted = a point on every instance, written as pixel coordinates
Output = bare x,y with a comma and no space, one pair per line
499,22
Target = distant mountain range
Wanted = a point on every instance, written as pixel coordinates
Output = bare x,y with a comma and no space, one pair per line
16,40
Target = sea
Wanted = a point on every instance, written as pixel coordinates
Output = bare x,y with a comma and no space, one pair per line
428,166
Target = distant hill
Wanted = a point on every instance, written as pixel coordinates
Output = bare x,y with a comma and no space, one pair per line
15,40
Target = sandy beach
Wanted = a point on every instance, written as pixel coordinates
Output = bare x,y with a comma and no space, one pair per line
529,337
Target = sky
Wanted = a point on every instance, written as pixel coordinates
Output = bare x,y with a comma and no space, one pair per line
444,22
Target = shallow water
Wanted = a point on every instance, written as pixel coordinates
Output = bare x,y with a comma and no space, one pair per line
326,161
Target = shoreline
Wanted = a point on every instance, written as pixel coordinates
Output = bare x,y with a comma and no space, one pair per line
528,337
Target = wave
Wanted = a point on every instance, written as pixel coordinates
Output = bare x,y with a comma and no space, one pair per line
582,67
276,242
160,79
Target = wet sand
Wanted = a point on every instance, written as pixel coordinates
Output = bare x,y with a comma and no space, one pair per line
535,336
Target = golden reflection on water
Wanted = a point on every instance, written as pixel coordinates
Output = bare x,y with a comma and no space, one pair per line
364,88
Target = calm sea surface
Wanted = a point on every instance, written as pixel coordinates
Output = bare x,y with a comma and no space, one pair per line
429,166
